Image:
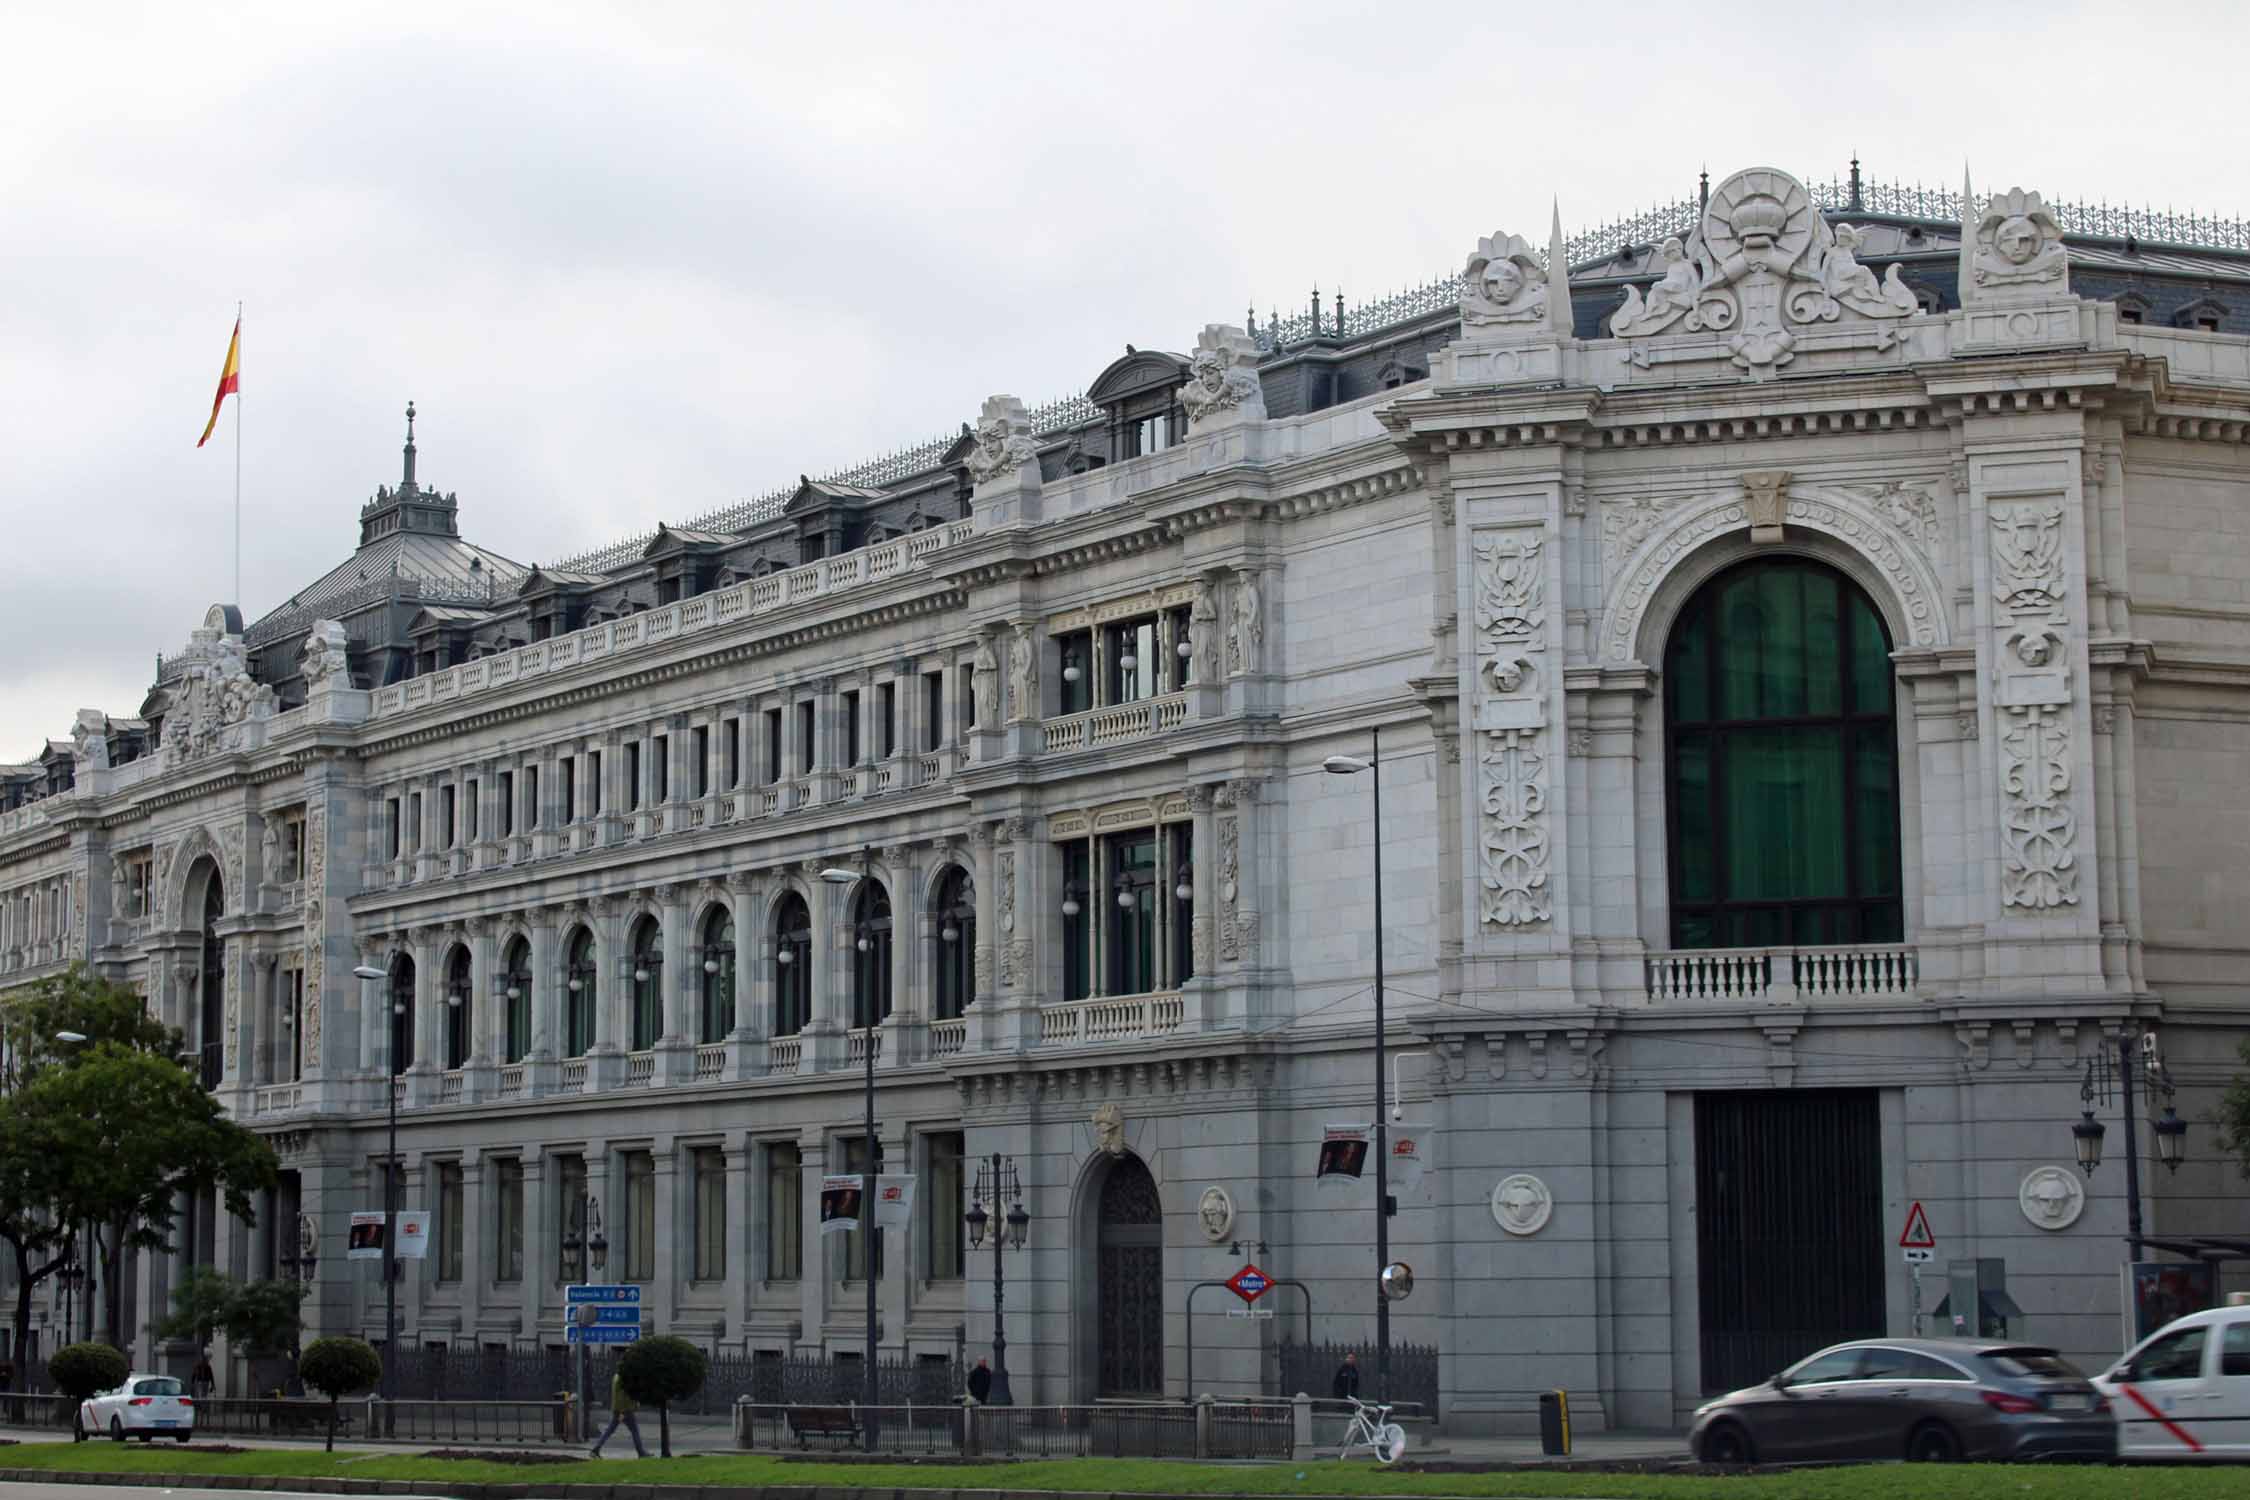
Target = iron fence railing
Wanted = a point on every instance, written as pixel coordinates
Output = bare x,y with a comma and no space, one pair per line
1311,1368
521,1373
1137,1430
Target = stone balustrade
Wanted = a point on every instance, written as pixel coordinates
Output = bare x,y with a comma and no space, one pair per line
1782,976
1112,1018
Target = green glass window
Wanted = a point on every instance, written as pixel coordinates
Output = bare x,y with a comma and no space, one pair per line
1783,763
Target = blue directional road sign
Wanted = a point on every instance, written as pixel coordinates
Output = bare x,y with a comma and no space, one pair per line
625,1292
602,1333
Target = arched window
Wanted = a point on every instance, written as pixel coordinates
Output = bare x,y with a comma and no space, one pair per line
953,955
648,984
402,1015
459,1005
718,976
1782,762
871,954
214,982
580,989
792,956
515,988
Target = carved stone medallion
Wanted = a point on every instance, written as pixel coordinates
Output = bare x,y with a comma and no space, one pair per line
1521,1204
1215,1212
2052,1197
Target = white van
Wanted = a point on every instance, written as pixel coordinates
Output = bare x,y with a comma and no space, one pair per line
2184,1391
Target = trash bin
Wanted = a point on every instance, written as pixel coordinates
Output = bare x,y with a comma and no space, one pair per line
1554,1423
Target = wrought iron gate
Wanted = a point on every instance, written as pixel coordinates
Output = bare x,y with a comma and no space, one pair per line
1789,1227
1129,1265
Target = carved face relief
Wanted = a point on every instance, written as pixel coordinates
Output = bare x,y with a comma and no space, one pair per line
1502,280
1215,1212
2018,240
1109,1129
2051,1197
1521,1204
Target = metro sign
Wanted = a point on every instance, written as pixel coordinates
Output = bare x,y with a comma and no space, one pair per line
1249,1283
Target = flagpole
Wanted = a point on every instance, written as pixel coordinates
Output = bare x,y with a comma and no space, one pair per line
238,461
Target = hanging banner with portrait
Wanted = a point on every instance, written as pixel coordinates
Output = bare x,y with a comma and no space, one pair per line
365,1240
839,1203
1343,1157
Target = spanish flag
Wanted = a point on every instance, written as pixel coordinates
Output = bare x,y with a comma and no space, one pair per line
230,381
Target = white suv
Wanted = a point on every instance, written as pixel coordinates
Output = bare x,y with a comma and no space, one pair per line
145,1406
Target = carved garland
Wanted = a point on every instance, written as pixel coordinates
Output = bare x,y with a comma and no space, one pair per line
316,907
1511,686
2038,824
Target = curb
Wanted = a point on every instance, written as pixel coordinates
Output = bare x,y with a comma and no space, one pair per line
461,1490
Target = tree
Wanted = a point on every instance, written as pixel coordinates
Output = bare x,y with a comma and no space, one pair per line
337,1367
79,1370
2234,1113
199,1306
127,1133
260,1318
80,1002
661,1371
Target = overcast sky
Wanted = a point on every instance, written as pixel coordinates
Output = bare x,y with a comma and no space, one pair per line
634,263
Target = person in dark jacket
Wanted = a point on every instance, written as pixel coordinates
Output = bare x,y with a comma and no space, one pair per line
980,1383
1347,1379
621,1409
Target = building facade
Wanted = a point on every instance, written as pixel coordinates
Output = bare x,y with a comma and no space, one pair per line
1804,641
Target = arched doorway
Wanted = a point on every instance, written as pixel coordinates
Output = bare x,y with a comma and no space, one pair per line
1129,1277
211,996
1782,774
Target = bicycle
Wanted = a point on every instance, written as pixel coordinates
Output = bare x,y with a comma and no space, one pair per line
1371,1428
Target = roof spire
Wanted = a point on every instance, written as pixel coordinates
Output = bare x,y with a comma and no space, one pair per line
1853,206
1559,314
407,483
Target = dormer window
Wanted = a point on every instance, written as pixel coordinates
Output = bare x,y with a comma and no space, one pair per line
1139,395
1152,434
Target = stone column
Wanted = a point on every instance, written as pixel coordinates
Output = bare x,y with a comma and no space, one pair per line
984,1008
680,981
906,1032
830,1003
428,947
548,996
753,979
541,1243
488,1016
663,1298
741,1242
476,1269
1203,932
898,1249
613,995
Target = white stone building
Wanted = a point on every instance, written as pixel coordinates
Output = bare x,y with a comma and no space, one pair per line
1813,689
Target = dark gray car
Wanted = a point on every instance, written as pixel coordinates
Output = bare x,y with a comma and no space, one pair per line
1937,1400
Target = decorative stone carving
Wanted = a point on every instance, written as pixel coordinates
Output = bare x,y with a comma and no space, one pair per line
1844,282
325,656
1230,871
1762,496
2038,826
1215,1212
1521,1204
2015,253
2038,822
231,845
1222,377
89,739
1505,284
1669,300
1006,898
1203,630
1199,942
269,845
986,663
1109,1128
2051,1197
1628,523
1909,508
2027,556
1511,623
1003,441
1023,673
1246,632
213,695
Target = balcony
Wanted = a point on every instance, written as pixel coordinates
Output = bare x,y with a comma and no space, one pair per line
1117,725
1782,976
640,1069
857,1043
949,1037
278,1099
452,1086
1117,1018
514,1080
783,1054
710,1062
574,1075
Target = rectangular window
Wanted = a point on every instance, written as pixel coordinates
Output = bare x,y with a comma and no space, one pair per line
507,803
699,784
1129,648
662,770
473,820
569,768
448,823
1078,925
773,746
933,710
855,1243
570,1207
293,847
449,1226
1179,841
507,1219
593,783
851,728
886,721
1177,666
942,1227
632,775
1130,933
640,1216
397,837
805,725
414,819
531,818
708,1166
1076,653
294,1043
785,1211
731,738
1151,434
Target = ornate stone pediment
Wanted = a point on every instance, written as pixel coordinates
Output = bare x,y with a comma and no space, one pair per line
2013,251
1762,267
215,692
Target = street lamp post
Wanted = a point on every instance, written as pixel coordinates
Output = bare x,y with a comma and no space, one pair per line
2137,1063
586,1250
367,974
1346,765
998,1184
843,879
301,1265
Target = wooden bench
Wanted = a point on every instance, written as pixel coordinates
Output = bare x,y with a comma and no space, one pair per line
823,1421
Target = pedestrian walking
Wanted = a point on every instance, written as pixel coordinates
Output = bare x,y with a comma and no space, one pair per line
201,1380
621,1409
980,1383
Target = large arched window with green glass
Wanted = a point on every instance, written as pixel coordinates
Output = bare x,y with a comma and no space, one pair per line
1782,772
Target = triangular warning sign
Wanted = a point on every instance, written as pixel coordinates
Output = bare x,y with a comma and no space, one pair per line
1917,1236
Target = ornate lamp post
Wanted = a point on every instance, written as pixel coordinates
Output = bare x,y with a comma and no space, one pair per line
585,1257
844,879
301,1265
2137,1062
1348,765
72,1278
998,1183
368,974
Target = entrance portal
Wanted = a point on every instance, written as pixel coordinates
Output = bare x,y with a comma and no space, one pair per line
1130,1272
1789,1228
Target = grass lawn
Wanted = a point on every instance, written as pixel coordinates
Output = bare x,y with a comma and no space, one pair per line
1141,1476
